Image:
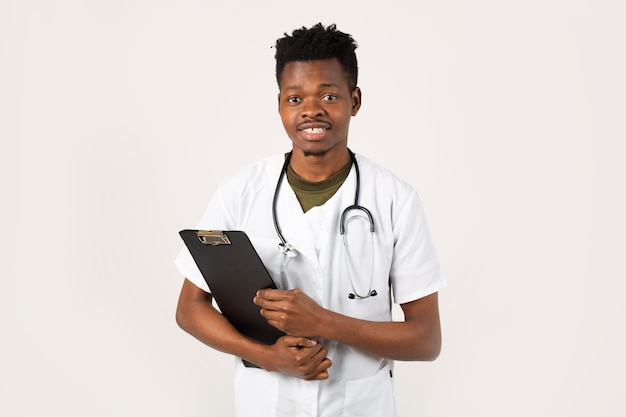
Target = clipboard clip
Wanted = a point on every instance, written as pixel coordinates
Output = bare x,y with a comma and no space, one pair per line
213,237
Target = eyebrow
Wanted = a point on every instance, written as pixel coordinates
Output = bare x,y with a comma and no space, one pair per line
322,85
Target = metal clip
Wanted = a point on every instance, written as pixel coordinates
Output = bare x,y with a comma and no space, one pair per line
213,237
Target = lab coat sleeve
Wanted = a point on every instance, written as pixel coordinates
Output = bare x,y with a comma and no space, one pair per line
216,217
415,270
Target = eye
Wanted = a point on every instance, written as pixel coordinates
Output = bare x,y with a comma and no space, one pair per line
293,99
329,97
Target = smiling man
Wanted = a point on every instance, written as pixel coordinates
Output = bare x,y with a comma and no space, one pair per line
342,238
316,104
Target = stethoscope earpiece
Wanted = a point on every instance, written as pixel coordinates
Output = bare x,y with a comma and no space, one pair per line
372,293
288,249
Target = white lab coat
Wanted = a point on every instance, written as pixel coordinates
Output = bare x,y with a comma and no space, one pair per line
403,267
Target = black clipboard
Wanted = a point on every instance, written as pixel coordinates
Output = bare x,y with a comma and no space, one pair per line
234,272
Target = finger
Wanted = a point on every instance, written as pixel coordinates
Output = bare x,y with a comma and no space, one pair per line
259,299
321,371
268,311
268,305
305,342
319,356
313,359
298,342
317,377
270,294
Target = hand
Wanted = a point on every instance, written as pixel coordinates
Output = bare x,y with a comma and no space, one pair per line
300,357
293,312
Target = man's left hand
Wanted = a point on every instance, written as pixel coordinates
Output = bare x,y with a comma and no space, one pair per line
292,311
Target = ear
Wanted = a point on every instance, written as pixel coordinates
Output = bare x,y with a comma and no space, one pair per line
278,102
356,101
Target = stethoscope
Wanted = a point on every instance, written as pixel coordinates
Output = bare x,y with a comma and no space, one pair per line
290,251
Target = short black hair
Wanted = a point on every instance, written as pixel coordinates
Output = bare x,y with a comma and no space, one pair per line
318,43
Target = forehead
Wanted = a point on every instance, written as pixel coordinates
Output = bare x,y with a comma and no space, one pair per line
297,74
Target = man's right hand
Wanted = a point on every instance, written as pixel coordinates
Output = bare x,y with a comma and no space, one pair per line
297,356
300,357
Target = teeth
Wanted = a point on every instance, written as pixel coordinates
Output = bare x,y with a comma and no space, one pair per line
315,130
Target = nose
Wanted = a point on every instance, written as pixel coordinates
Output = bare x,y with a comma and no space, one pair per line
312,109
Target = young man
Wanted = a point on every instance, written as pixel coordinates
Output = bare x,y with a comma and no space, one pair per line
351,259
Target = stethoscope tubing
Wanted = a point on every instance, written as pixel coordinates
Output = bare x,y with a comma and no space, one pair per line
288,249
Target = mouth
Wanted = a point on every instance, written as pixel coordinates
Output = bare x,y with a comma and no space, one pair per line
313,131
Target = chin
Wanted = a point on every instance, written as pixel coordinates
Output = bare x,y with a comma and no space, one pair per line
314,153
311,149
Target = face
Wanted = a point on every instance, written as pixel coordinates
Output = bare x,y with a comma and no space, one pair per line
315,105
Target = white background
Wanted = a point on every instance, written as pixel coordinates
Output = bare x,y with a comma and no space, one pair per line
119,117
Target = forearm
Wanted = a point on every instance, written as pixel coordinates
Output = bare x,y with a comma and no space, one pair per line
408,340
300,357
418,337
199,318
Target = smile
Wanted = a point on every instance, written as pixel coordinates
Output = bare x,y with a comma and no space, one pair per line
314,130
313,133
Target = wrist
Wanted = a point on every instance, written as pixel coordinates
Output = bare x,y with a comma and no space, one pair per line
261,355
327,325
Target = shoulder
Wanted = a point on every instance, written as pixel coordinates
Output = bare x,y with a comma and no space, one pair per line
393,197
382,178
241,193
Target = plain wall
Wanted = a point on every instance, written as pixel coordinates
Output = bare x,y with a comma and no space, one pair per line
118,118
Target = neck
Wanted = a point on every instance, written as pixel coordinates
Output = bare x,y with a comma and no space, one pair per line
315,168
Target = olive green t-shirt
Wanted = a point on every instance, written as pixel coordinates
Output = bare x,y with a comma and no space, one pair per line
311,194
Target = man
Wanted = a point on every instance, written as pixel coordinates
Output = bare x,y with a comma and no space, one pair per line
334,301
